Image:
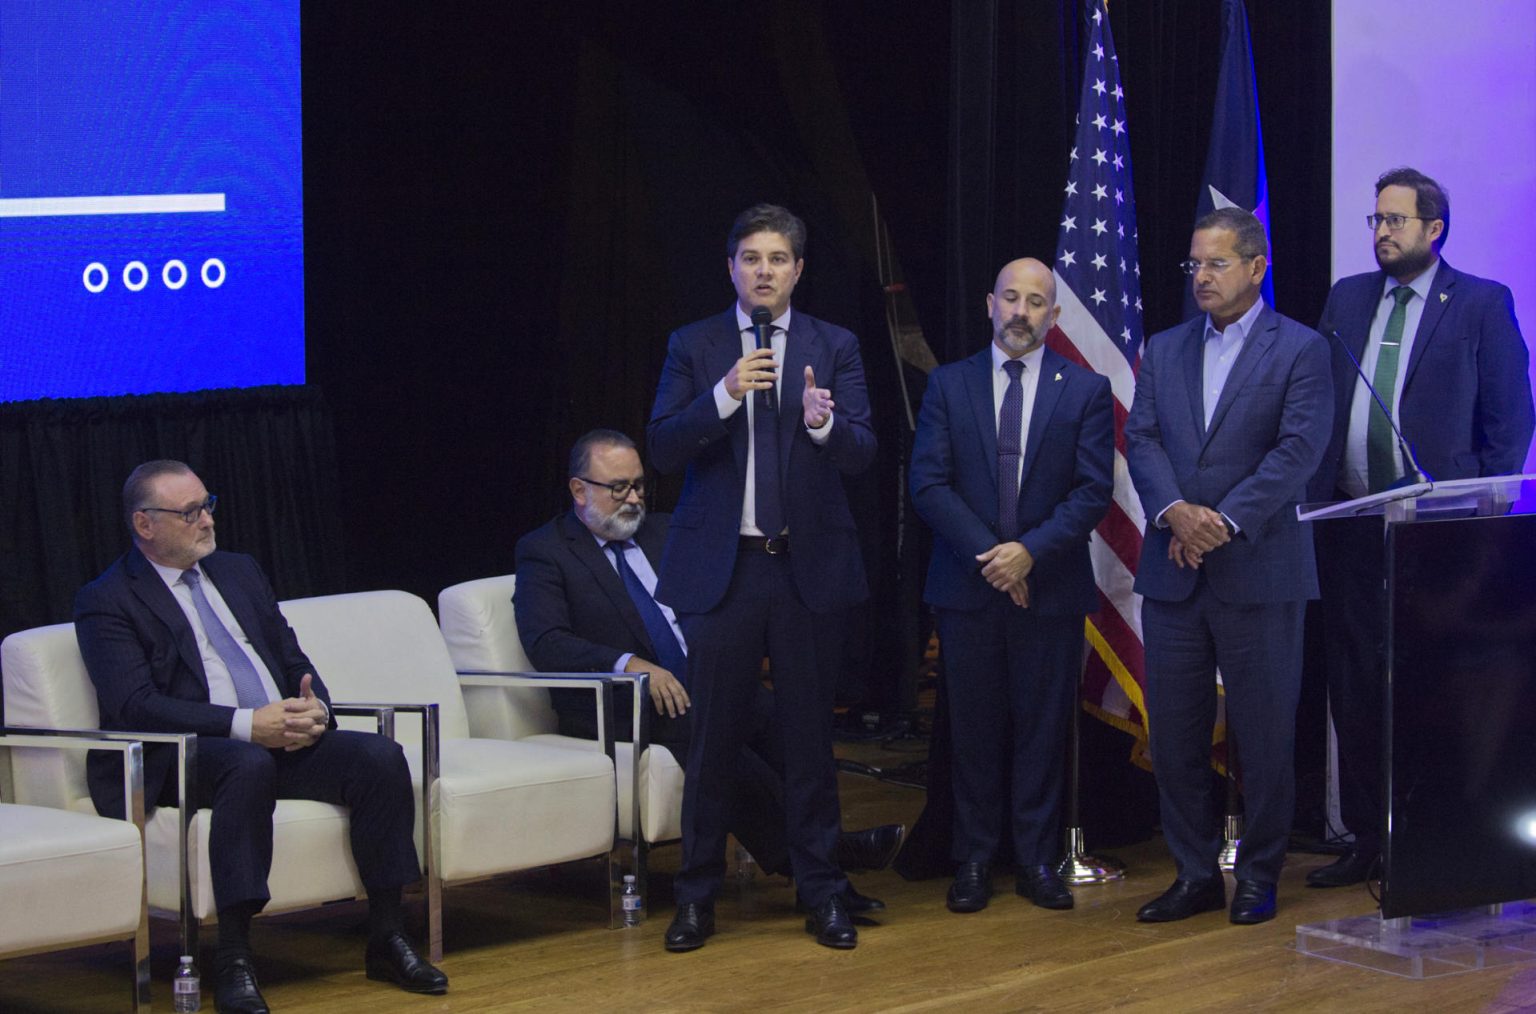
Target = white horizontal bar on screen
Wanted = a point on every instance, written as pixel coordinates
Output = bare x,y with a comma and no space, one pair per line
120,204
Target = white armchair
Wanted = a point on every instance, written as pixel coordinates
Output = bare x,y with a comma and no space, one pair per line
480,628
70,879
47,687
496,805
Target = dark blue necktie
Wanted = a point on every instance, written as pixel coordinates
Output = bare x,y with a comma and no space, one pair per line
769,502
668,651
1009,422
249,693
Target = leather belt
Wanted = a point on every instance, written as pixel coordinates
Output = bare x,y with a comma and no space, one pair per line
777,546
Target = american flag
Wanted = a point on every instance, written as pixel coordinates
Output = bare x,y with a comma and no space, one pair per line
1098,285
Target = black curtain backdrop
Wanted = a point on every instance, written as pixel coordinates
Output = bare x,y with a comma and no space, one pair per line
268,452
509,206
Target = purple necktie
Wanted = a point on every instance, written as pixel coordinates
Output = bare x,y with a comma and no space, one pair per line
249,693
1009,422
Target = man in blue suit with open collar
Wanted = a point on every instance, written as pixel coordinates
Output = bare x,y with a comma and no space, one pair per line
1453,369
762,556
1012,467
1230,419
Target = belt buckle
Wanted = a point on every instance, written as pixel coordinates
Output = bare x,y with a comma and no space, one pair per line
775,545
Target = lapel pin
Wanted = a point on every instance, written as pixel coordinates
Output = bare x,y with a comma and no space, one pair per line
1058,376
1444,297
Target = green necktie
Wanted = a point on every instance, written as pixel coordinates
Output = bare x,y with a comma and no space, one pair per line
1380,442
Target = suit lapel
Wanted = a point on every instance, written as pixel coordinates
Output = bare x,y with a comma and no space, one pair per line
1194,376
1441,295
151,590
1048,388
1259,339
801,349
977,378
598,563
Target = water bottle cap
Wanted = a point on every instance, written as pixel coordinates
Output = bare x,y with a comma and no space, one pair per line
629,878
186,959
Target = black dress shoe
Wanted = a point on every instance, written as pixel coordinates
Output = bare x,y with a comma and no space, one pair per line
871,849
861,904
1253,902
393,959
971,889
691,926
1353,867
235,990
832,925
1041,885
1184,899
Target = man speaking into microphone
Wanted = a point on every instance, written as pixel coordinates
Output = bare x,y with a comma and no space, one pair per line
765,408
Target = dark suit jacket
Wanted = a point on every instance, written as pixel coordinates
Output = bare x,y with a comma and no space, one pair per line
1252,464
686,431
1466,400
1067,482
142,656
573,612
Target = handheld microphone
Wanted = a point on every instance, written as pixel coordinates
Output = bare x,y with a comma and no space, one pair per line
1402,442
762,323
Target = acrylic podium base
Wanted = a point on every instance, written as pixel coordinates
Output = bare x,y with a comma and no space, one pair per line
1423,947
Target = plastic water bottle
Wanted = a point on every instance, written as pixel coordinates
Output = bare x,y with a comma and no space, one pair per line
634,905
186,987
746,866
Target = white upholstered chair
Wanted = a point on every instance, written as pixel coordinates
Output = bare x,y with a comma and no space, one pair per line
500,803
69,879
47,687
480,629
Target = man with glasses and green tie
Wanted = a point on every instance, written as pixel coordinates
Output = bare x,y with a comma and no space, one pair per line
1445,354
180,637
585,602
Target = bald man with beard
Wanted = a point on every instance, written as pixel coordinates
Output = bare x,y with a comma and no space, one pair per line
1012,467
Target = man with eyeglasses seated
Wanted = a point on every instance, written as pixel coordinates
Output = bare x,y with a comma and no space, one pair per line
1229,421
1445,353
180,637
584,603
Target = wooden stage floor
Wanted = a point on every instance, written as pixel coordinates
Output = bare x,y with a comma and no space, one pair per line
539,942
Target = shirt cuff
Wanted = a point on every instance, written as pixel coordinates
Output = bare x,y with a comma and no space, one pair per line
1158,521
622,665
1230,523
822,433
240,725
725,405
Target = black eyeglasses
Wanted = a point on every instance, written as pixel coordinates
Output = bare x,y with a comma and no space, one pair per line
1393,222
191,514
618,490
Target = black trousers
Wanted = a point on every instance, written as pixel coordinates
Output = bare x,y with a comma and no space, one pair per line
1011,676
761,613
362,771
1351,570
755,778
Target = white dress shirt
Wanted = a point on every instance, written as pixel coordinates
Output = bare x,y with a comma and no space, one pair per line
1029,383
636,558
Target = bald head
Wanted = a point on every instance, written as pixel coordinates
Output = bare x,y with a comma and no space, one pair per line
1022,306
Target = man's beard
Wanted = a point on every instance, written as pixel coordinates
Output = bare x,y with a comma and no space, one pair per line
1409,263
620,526
1021,339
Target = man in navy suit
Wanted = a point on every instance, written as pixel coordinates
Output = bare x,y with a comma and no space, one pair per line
1012,467
577,612
762,556
1230,419
1445,353
178,637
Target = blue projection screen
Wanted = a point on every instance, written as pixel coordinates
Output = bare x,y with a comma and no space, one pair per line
151,196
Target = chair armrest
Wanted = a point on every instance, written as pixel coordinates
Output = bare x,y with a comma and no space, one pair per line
129,744
601,685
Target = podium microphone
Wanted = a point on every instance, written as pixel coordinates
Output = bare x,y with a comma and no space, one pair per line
762,323
1402,442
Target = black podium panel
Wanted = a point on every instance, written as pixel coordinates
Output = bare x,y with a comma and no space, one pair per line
1461,715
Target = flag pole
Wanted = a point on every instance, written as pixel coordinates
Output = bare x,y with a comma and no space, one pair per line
1079,866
